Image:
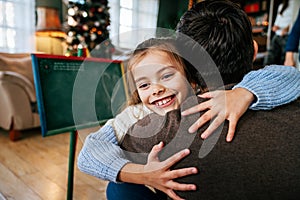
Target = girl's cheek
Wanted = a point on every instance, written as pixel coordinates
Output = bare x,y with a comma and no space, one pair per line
142,95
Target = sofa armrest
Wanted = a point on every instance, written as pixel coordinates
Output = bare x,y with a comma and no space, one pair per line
20,80
17,102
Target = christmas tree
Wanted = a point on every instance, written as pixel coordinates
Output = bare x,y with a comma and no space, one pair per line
87,28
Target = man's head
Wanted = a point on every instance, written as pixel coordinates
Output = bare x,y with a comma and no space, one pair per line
223,29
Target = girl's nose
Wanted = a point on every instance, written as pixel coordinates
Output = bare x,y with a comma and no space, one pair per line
158,89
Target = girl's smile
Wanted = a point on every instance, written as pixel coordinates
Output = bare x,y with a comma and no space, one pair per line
165,102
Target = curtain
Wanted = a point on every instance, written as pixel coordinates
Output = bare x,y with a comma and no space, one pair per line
17,26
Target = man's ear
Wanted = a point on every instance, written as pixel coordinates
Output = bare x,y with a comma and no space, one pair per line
255,45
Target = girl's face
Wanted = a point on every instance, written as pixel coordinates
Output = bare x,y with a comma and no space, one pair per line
160,83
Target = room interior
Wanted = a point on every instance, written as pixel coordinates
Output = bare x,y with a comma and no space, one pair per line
36,167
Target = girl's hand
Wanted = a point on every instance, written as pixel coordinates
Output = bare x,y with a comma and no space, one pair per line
157,174
229,104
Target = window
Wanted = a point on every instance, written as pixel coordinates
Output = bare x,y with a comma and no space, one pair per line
17,26
131,20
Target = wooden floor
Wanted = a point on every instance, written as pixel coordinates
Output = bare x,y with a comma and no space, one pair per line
36,167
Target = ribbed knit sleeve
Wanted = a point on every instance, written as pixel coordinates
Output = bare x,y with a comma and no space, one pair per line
101,156
273,86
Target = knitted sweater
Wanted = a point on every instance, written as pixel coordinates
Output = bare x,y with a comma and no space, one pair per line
102,157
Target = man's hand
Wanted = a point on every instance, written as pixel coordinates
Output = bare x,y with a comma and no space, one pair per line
157,174
229,104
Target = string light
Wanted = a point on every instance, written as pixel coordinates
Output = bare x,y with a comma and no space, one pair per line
87,25
71,11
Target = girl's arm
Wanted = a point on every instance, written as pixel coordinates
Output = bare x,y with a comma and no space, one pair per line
263,89
272,86
101,156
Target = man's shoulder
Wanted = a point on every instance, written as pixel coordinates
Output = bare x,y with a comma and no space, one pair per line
282,119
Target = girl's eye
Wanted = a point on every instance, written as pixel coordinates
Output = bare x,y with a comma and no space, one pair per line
143,85
167,76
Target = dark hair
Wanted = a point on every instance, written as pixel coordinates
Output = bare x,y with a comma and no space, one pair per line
223,29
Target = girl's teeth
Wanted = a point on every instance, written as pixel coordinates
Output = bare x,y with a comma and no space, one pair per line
160,103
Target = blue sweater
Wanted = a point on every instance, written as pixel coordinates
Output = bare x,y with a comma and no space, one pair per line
102,157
